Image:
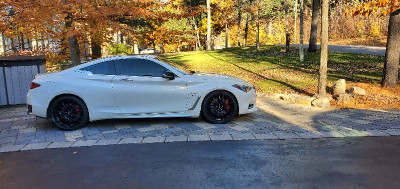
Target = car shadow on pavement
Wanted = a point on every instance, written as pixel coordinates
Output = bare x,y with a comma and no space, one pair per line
275,119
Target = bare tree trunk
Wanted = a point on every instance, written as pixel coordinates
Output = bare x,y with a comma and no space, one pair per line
13,48
96,49
74,50
3,39
301,51
258,30
72,41
295,22
162,49
269,27
246,29
136,48
29,44
324,48
95,45
239,19
208,26
287,27
73,44
212,40
197,35
226,36
314,27
22,42
391,67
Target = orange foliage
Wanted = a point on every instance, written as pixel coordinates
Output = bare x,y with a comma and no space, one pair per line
385,7
90,20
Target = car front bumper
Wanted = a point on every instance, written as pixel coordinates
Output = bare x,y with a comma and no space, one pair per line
247,102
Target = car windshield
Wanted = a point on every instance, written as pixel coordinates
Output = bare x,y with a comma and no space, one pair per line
179,68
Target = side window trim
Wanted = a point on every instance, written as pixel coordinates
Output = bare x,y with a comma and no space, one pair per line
117,71
82,70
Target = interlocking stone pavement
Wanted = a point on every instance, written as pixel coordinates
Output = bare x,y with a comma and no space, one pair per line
275,120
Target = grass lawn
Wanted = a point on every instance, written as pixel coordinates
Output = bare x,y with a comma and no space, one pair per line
270,69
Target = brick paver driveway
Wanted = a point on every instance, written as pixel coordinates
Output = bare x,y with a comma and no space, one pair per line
275,119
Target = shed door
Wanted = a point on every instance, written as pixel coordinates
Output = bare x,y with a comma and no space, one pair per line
15,83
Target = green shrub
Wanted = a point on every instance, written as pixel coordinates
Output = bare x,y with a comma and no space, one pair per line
119,49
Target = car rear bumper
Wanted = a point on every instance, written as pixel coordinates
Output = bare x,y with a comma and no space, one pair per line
35,101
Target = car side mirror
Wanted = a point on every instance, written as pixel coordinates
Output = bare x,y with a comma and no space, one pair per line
168,75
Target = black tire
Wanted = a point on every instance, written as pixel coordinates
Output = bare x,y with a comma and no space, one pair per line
69,113
219,107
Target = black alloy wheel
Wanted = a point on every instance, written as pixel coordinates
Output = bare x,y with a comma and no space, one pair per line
219,107
69,113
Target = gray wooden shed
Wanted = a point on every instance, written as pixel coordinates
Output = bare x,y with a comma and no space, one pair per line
16,75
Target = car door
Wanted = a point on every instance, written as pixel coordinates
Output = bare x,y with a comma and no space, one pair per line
139,88
95,87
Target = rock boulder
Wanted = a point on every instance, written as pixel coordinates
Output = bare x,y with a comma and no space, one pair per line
339,87
357,90
322,101
345,99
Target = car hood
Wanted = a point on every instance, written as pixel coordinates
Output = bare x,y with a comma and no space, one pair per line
211,77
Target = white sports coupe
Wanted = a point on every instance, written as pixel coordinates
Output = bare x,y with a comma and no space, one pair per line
136,87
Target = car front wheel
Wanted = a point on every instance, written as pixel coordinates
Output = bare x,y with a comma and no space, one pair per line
69,113
219,107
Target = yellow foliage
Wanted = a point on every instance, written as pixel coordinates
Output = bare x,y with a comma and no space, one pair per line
360,27
375,29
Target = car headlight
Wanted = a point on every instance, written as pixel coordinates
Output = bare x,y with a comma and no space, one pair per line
243,87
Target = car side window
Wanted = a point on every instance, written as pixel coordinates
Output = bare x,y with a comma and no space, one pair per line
103,68
138,67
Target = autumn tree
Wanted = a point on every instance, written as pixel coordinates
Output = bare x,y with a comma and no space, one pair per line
77,22
249,13
224,15
385,7
271,10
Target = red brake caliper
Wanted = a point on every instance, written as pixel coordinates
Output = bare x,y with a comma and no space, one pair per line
78,110
227,105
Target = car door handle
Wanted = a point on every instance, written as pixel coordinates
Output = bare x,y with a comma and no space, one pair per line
126,80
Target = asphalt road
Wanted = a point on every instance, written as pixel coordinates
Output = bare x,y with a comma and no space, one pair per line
354,49
367,162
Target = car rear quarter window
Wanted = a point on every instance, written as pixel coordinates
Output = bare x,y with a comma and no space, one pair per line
138,67
103,68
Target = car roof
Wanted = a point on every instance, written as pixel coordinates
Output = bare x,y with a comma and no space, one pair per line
118,57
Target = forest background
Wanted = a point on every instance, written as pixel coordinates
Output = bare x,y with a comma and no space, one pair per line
124,27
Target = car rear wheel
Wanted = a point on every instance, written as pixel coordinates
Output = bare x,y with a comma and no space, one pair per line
69,113
219,107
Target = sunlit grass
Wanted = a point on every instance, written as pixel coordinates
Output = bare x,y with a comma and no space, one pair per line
270,69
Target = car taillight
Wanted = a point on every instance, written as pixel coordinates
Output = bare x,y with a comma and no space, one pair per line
34,85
